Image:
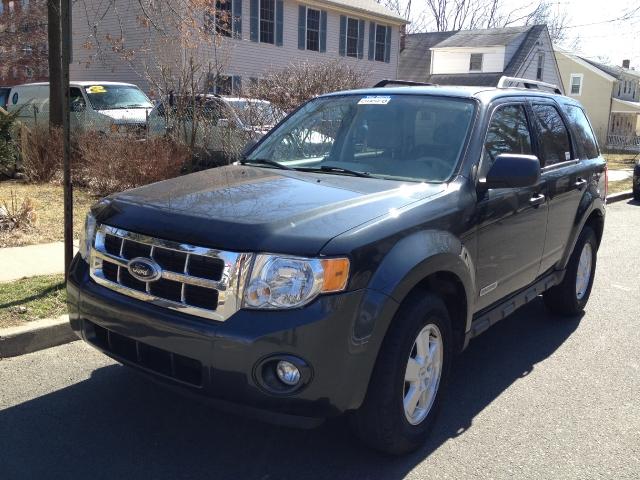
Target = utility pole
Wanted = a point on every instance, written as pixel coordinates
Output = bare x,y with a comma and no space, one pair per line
65,27
54,33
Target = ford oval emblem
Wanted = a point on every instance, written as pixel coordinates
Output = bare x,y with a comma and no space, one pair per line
144,269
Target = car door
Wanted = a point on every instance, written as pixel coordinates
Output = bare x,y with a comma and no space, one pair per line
564,175
511,221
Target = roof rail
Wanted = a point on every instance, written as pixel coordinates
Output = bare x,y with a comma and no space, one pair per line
527,83
406,83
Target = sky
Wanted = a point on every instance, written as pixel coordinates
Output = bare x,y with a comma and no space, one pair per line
594,23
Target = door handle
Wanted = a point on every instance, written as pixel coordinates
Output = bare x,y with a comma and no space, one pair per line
537,200
580,183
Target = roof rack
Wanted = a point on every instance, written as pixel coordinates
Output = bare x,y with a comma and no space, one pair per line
406,83
529,84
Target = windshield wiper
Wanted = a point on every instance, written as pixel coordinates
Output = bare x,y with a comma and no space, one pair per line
265,161
329,168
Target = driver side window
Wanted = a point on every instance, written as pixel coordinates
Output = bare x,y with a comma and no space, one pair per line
508,132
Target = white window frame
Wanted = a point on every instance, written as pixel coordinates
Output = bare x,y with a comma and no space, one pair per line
260,23
346,37
306,28
581,77
481,61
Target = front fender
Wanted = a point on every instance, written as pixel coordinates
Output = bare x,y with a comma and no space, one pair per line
419,255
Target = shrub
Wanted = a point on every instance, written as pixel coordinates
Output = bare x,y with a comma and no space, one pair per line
8,148
110,164
297,83
41,151
17,216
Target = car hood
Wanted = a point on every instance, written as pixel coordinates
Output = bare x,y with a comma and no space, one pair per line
242,208
127,115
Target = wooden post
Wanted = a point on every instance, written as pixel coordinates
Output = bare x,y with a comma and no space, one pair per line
65,21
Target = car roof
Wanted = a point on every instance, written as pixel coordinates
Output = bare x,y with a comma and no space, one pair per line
483,94
84,83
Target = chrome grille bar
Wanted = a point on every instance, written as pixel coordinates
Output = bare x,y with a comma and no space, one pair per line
228,288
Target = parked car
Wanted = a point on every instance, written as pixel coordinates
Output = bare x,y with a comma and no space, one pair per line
636,180
4,96
259,115
359,245
219,135
107,107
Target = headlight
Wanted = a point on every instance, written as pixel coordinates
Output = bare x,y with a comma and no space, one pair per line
86,236
279,282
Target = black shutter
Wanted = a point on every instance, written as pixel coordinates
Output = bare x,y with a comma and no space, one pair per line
237,18
236,84
342,44
387,47
254,20
302,27
323,31
372,40
279,21
361,25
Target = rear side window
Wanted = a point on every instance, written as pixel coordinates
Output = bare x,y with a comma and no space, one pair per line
508,132
555,145
584,133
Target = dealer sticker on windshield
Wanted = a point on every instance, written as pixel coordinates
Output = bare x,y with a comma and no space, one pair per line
96,89
376,100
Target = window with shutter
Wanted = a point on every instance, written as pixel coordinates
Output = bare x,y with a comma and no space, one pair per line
313,29
353,36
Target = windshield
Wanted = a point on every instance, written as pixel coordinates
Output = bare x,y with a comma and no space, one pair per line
110,97
255,113
404,137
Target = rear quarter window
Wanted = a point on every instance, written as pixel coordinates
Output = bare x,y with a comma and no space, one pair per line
555,145
583,131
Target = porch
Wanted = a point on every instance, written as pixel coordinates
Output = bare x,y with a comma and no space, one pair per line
624,126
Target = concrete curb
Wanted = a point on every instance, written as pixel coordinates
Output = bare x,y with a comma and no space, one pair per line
34,336
617,197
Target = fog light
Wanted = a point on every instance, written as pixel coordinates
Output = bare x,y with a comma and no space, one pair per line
288,373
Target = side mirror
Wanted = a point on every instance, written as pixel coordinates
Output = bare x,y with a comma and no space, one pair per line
512,171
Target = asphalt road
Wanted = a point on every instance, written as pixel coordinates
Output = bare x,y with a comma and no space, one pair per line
534,397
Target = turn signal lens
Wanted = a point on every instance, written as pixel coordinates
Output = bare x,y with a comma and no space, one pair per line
336,274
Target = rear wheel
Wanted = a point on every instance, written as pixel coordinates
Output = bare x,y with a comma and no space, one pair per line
410,374
570,297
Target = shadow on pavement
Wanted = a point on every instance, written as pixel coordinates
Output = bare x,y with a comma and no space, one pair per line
116,425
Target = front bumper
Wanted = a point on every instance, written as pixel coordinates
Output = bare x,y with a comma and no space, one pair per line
334,335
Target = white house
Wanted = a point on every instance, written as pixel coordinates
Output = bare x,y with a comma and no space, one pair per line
480,57
257,36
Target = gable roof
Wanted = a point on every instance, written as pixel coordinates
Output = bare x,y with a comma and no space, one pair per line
368,6
488,37
615,72
415,59
580,61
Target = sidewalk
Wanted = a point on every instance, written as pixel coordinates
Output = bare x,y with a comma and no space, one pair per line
619,175
32,260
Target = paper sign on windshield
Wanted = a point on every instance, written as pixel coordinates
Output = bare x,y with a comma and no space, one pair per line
377,100
96,89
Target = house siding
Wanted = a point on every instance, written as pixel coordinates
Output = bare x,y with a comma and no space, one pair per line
550,73
237,56
595,96
454,61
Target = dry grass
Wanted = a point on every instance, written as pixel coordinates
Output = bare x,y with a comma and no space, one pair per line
31,299
49,211
621,186
620,161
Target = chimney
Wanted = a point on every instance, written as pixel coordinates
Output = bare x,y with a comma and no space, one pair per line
626,63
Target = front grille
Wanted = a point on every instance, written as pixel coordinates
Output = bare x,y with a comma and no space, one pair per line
194,280
168,364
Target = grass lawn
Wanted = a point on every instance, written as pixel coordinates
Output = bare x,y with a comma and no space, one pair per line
48,202
621,161
31,299
621,186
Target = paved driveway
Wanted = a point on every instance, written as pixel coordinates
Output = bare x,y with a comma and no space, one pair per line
534,397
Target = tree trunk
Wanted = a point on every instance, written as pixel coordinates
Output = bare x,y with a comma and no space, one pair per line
55,64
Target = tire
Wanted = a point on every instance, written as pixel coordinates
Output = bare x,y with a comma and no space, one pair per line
570,297
636,194
381,422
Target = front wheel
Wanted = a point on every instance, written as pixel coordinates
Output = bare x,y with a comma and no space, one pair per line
571,296
408,379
